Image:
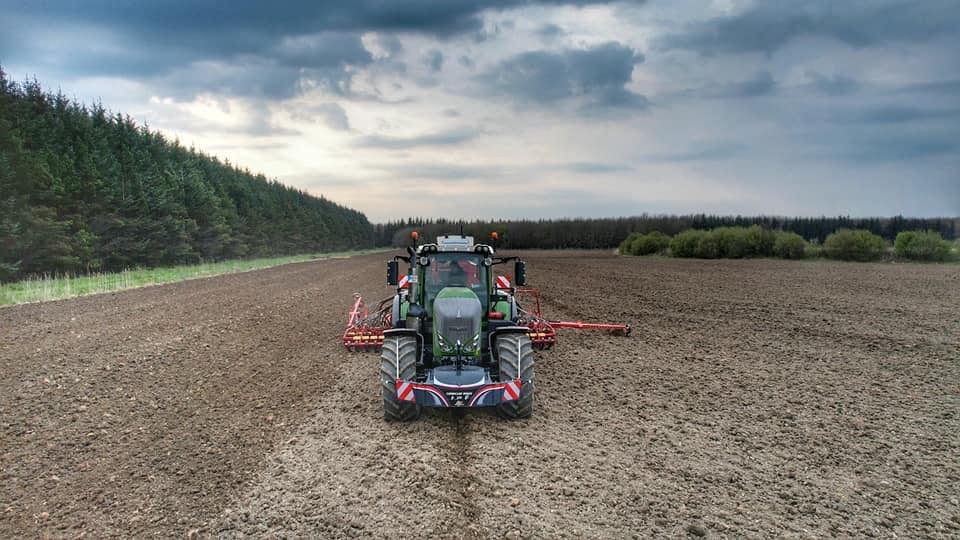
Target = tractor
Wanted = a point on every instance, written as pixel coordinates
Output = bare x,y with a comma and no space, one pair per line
456,334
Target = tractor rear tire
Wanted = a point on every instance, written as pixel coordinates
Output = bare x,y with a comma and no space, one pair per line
515,357
398,360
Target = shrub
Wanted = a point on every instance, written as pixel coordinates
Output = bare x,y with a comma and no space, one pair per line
760,241
728,242
709,246
789,245
854,245
650,243
921,246
686,243
625,246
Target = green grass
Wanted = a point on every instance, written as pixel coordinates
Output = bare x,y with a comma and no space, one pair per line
47,288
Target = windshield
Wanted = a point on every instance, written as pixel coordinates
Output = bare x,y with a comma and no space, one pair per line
455,270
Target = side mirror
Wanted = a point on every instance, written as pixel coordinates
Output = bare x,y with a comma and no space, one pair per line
520,273
393,271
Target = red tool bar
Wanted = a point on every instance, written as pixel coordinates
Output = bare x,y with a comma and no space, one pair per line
625,328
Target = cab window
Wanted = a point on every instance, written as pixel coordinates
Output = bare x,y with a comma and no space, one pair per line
455,270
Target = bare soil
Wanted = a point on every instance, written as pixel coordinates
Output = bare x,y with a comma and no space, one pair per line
755,398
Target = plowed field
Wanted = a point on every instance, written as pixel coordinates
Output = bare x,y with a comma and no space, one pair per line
755,398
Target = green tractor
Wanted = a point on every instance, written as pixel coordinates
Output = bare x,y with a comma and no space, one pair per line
455,339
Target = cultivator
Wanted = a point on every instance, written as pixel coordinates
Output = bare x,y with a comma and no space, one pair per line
364,331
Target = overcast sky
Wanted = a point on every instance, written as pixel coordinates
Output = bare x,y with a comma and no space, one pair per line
510,108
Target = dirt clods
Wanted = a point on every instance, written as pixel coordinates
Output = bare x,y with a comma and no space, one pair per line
755,398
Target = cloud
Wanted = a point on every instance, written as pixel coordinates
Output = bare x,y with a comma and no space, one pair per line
895,114
441,171
598,74
701,152
948,87
835,85
388,44
759,84
325,61
897,146
764,27
592,167
434,60
549,32
443,138
286,48
330,114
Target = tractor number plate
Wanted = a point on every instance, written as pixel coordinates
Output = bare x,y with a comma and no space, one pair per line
458,399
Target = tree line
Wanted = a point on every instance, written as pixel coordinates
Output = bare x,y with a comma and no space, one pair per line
83,189
606,233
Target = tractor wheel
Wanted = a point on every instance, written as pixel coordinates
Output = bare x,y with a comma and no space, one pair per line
398,359
515,354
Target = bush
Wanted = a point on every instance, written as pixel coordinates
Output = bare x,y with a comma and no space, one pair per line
626,245
650,243
921,246
789,245
760,241
686,243
854,245
729,242
709,246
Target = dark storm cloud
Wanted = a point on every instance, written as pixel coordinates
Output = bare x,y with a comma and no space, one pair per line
599,74
444,138
155,39
765,26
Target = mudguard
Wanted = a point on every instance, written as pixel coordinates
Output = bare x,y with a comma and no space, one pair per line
502,331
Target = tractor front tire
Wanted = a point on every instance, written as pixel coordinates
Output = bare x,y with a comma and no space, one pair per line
515,357
398,360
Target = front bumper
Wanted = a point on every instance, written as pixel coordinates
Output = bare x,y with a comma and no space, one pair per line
449,387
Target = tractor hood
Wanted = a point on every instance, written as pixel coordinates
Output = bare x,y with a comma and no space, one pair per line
457,317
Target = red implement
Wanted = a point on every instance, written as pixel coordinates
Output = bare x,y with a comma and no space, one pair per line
364,332
543,333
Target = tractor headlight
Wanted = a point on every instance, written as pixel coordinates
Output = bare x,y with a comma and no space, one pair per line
472,345
444,345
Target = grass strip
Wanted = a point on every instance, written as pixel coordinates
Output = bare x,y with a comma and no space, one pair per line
57,287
